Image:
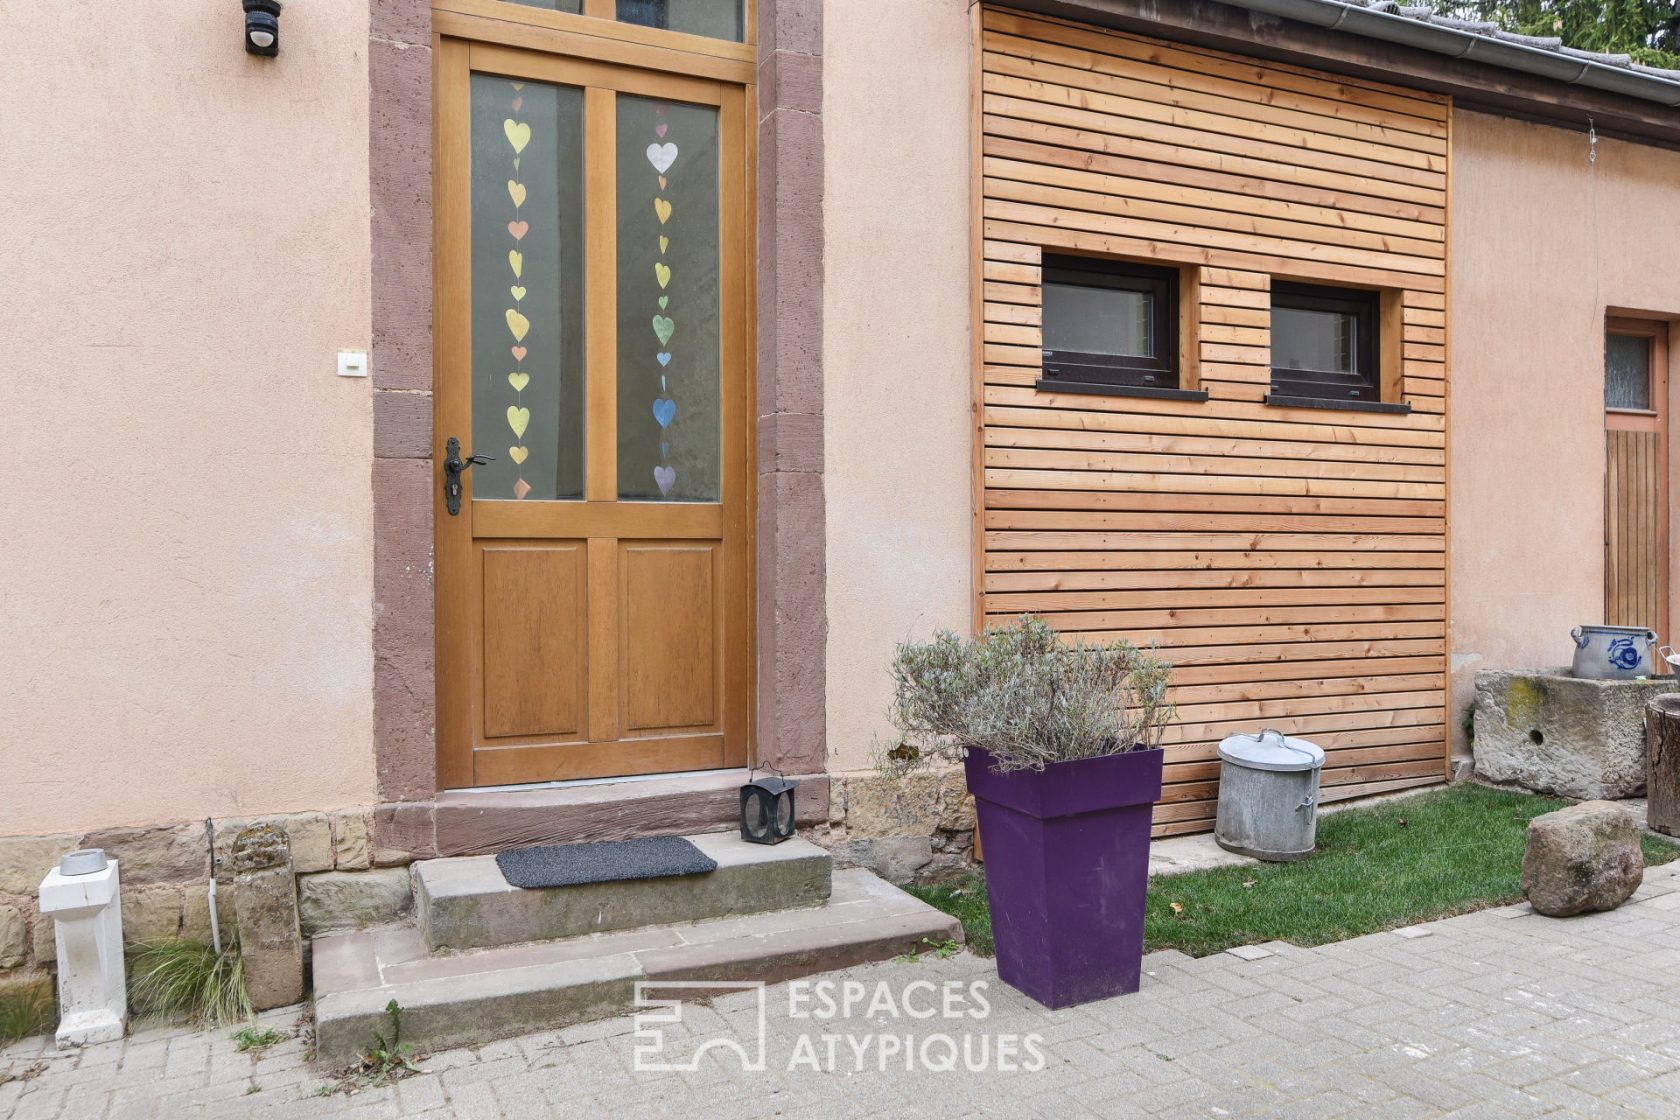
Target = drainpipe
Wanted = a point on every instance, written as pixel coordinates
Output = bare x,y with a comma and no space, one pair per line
215,922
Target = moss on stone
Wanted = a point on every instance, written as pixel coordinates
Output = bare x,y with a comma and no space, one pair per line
1523,699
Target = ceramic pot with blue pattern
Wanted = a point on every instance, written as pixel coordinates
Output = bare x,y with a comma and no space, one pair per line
1615,653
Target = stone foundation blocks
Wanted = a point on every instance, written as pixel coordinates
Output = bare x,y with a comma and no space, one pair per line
919,828
352,846
25,860
14,939
347,900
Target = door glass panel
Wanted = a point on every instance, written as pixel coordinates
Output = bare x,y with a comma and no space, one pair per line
1627,371
715,19
669,362
527,289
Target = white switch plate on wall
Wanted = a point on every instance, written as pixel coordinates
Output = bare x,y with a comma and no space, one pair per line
352,363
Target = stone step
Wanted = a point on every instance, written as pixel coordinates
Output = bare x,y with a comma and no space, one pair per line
462,999
465,903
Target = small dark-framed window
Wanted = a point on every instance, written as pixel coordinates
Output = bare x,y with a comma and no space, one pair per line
1110,326
1325,347
1634,360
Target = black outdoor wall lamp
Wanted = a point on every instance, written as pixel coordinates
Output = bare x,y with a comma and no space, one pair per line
262,26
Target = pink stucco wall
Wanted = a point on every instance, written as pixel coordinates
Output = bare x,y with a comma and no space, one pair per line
898,397
1544,243
186,535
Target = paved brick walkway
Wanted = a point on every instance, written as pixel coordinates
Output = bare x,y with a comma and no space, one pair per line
1502,1013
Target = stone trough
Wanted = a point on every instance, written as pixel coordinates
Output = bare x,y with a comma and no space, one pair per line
1550,732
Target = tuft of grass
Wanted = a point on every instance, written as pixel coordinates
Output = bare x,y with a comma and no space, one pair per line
964,898
1387,865
250,1038
175,976
27,1008
942,950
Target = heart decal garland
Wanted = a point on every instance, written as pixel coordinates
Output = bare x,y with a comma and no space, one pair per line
518,324
663,156
529,334
518,135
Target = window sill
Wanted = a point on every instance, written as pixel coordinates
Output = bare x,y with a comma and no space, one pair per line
1100,390
1393,408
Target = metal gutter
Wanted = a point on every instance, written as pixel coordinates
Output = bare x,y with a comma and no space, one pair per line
1570,69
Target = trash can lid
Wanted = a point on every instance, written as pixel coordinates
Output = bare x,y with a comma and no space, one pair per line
1271,750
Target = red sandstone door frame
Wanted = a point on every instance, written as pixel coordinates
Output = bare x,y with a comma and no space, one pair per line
404,36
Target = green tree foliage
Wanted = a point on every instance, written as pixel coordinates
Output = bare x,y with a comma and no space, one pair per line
1649,30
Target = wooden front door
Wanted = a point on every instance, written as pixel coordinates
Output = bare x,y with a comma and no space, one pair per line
1636,474
594,606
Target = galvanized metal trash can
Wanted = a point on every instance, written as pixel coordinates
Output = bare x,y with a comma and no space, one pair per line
1268,796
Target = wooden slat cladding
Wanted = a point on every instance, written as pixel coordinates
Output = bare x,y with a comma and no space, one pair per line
1634,587
1290,562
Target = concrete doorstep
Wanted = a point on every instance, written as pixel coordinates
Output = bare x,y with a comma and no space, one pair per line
463,998
466,903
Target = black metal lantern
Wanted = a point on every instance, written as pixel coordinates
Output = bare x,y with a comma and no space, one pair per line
767,810
262,26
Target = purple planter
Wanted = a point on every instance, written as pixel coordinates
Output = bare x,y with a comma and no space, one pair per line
1067,869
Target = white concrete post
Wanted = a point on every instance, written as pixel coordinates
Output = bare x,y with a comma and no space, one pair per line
87,923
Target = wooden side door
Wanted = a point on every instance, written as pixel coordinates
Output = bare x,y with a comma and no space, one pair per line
1636,474
593,586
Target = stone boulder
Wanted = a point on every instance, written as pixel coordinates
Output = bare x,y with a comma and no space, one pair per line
1582,858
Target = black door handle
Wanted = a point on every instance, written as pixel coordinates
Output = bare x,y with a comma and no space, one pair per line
453,467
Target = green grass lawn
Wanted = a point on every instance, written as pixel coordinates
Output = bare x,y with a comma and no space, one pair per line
1391,864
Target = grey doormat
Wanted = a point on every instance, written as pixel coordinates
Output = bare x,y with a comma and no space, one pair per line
610,861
